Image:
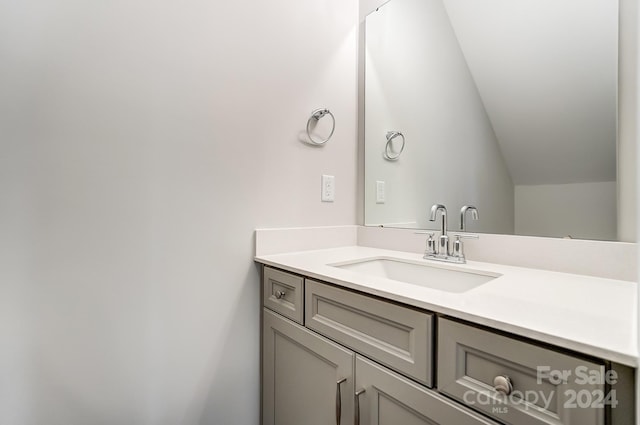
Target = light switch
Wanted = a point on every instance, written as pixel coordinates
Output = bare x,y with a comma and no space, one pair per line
380,192
328,188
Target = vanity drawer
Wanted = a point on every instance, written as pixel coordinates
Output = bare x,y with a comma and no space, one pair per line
283,293
469,359
396,336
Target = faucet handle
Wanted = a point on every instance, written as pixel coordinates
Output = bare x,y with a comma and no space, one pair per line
458,249
431,243
465,235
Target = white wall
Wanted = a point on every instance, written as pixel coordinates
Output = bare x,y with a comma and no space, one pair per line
451,154
141,145
581,210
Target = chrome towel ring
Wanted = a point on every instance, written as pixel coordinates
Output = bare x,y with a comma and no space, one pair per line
389,154
314,118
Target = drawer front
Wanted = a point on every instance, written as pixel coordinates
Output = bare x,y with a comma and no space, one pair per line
398,337
390,399
548,387
283,293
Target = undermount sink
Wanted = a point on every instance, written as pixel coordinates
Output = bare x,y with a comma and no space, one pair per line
430,276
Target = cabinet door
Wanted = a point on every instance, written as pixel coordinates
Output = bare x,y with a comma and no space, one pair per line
390,399
302,374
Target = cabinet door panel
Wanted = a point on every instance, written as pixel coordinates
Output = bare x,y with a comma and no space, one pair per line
390,399
300,375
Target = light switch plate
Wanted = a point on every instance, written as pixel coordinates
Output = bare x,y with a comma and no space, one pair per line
380,192
328,192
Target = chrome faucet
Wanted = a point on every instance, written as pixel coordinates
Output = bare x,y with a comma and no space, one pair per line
442,251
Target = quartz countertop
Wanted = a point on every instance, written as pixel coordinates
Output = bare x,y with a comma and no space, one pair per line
591,315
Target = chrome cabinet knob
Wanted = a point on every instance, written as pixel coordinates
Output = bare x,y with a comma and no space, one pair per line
503,384
280,294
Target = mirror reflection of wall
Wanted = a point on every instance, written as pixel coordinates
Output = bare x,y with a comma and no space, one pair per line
506,105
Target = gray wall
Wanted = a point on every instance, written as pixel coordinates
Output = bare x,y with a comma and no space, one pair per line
141,145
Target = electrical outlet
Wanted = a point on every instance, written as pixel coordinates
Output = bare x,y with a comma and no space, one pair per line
380,192
328,192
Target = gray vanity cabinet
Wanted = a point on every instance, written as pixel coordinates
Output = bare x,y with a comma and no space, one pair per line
391,399
363,360
303,376
308,379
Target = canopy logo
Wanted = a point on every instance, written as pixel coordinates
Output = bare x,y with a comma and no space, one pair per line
567,382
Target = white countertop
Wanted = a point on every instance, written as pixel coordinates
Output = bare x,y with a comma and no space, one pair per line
590,315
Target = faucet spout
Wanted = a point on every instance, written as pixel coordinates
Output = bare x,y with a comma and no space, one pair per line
463,215
442,249
443,210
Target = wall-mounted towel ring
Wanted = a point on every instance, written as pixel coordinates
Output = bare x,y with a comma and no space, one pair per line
314,118
389,154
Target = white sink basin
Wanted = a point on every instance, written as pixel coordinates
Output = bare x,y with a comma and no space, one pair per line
438,277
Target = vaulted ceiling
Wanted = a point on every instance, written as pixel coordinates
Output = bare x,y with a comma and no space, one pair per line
546,71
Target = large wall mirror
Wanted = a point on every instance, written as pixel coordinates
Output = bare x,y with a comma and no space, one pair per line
507,105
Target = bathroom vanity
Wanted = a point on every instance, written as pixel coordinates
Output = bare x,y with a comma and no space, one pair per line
372,336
